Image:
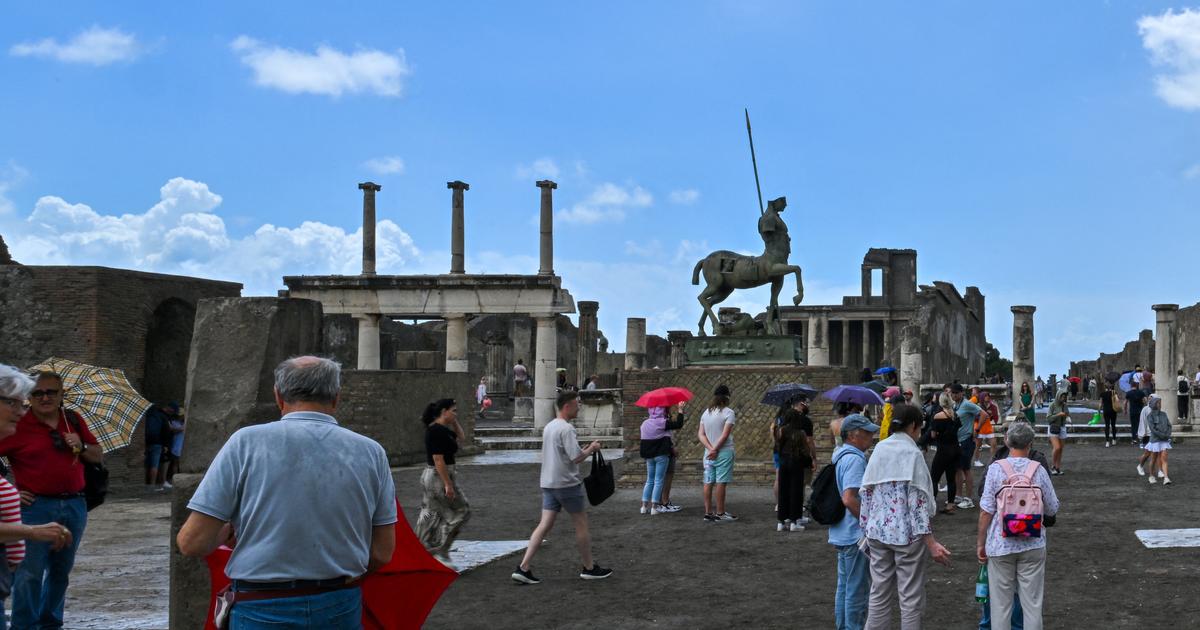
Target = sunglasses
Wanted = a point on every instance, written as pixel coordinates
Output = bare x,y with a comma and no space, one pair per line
57,440
44,393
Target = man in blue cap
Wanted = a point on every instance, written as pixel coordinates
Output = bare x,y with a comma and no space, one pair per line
853,570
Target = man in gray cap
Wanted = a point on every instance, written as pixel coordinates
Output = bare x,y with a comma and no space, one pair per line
854,572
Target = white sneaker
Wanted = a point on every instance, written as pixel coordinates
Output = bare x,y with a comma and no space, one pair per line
941,488
167,485
654,509
1107,444
1153,480
1141,471
1160,474
669,507
779,526
797,527
1166,481
978,464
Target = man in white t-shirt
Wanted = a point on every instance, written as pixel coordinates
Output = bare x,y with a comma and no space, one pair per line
562,488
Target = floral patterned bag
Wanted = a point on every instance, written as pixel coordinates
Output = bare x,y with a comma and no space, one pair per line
1019,502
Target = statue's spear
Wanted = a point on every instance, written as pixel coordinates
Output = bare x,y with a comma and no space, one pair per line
754,161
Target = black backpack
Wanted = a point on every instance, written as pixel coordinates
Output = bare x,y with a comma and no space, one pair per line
1184,387
825,503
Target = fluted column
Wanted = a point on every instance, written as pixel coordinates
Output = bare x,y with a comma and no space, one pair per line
368,227
586,340
457,229
546,266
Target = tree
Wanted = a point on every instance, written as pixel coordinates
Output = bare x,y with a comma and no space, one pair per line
993,363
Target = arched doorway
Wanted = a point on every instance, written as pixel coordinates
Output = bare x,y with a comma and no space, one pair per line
168,341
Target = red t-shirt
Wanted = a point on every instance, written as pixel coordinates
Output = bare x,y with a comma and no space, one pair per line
40,467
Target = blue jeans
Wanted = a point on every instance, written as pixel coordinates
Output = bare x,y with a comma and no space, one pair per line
335,610
1018,619
656,471
853,587
40,583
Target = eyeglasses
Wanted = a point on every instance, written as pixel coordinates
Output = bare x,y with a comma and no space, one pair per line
57,440
44,393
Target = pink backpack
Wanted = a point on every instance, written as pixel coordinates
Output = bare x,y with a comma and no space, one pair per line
1019,502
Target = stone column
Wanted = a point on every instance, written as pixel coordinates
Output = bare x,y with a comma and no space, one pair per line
457,239
368,341
544,385
635,343
845,343
866,346
677,339
546,268
1164,358
585,364
368,227
818,338
456,343
1022,344
912,367
497,361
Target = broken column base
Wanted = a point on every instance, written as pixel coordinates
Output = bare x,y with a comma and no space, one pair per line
191,591
522,410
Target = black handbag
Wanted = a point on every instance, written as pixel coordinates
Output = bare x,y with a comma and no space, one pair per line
95,476
599,483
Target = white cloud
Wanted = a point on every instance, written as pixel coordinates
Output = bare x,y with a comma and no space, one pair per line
1173,40
649,249
328,71
541,168
388,165
10,176
685,197
183,234
607,202
96,46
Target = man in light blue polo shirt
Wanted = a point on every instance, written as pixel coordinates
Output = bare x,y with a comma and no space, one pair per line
853,570
312,506
968,413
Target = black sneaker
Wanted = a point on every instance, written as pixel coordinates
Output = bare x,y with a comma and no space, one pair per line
521,576
595,573
710,518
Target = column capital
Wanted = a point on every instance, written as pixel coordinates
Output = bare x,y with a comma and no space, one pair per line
545,183
1023,309
458,185
372,186
678,336
1165,307
587,307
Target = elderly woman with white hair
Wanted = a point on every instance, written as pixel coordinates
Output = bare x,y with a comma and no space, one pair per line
14,391
1011,538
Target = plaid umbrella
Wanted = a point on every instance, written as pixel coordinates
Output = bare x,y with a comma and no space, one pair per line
111,406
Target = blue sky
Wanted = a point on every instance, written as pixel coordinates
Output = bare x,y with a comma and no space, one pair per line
1045,152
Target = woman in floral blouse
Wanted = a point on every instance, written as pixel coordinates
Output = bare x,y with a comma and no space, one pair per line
897,504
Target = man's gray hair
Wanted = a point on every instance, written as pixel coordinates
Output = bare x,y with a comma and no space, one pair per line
14,383
308,379
1019,435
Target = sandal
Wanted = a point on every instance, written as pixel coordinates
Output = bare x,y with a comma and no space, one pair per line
947,510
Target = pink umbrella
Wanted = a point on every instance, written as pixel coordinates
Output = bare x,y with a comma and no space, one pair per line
891,391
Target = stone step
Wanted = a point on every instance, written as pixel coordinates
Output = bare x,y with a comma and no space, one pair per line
535,443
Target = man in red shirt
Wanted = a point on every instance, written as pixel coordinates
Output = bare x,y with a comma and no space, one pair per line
47,454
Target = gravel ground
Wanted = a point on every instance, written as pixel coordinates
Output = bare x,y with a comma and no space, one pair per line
675,570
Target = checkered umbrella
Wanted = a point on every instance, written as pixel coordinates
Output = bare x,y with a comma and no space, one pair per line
103,396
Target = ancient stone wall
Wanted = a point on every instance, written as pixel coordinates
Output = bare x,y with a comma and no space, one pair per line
751,435
138,322
952,337
1140,351
386,406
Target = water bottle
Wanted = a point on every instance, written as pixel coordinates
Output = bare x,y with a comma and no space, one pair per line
981,585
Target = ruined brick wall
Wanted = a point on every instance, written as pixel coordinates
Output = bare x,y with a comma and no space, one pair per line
751,434
102,316
953,341
386,406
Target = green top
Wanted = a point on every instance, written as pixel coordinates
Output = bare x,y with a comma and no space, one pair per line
1057,417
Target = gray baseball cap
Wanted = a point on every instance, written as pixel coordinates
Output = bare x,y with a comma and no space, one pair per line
858,421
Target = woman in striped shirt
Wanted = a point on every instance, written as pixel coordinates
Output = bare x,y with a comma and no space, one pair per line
14,390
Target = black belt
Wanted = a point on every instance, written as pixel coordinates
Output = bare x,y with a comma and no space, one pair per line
245,586
65,495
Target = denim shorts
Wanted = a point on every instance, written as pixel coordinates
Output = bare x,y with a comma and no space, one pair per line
719,470
966,452
153,456
557,499
1060,434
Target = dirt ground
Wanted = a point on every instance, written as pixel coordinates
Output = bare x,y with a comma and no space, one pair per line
675,571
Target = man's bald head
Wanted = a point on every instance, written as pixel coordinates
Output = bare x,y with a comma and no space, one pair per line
308,379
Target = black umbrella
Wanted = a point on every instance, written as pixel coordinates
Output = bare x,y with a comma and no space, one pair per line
876,386
780,394
1112,377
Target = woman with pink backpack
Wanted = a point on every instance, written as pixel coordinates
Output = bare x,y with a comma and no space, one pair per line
1017,495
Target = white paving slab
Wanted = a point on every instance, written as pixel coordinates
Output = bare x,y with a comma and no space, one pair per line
472,554
1167,538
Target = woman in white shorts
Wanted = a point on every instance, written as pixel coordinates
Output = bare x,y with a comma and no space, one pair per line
1159,444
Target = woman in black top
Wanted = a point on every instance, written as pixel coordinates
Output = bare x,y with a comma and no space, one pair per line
444,509
795,446
944,435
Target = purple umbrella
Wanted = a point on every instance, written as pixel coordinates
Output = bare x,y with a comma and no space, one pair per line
853,394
